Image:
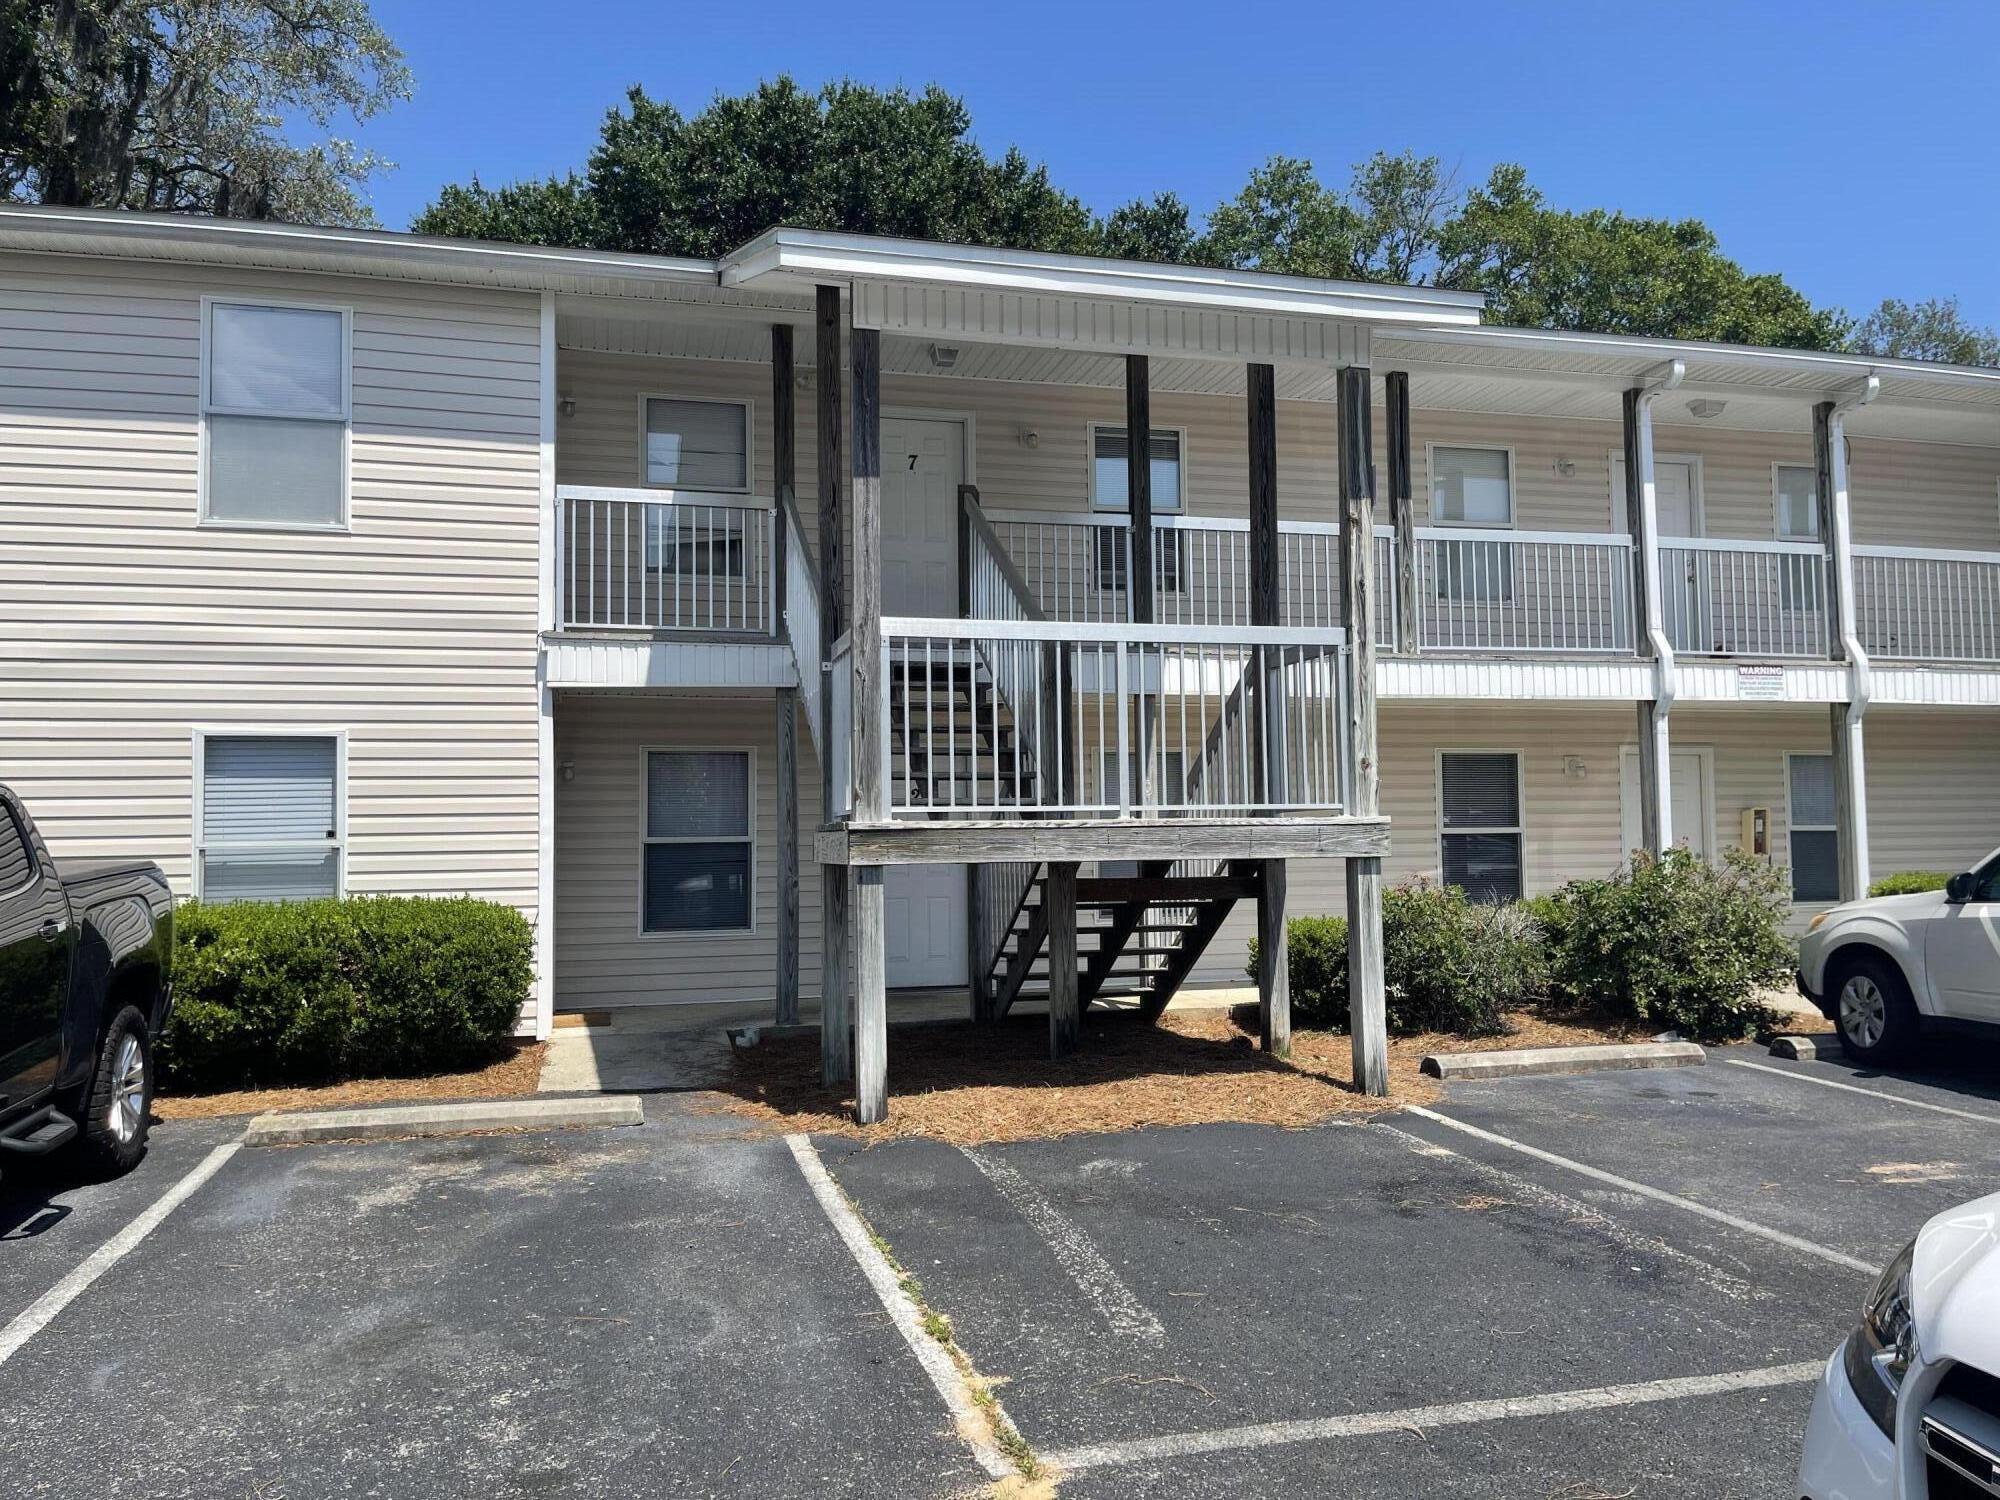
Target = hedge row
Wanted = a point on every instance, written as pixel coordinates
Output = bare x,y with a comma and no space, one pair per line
312,991
1672,942
1909,883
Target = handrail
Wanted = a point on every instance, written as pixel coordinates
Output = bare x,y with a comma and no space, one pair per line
1509,534
1171,521
711,499
1733,544
1003,562
1929,554
802,612
1113,632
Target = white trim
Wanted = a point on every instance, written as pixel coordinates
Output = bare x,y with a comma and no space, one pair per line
1097,507
547,615
1430,481
199,737
1793,826
749,442
1107,631
964,416
748,839
205,409
1628,754
1697,498
1519,832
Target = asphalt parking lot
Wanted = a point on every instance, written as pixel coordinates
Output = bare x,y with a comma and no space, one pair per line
1601,1286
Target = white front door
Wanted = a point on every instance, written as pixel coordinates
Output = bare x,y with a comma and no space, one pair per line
1691,800
1962,951
923,464
1683,583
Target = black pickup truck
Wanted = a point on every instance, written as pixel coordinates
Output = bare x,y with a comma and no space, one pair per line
86,963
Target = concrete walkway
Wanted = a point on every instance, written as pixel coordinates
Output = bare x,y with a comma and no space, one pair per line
687,1046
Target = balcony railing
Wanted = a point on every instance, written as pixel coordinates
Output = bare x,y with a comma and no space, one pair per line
1766,599
656,560
1918,604
1526,591
1077,567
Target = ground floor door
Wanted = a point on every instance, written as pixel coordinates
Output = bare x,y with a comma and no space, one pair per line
923,464
1692,800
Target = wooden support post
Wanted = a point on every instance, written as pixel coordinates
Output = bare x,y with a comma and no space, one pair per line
784,457
835,995
1274,968
871,1014
1368,1003
788,857
1850,763
1656,814
1396,394
1139,486
1065,1013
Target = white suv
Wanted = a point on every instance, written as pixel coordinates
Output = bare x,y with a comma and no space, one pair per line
1883,969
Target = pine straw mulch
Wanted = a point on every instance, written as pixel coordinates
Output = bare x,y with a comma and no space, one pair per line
515,1072
972,1085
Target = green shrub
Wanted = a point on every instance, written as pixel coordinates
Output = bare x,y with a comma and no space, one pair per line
1673,942
311,991
1909,883
1449,964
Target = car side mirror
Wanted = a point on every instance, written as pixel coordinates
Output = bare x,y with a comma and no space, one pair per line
1958,889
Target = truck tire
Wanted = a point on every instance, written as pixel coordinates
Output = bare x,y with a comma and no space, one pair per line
1872,1008
117,1109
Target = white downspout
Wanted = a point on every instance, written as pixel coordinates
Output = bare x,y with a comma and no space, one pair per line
1860,677
1665,682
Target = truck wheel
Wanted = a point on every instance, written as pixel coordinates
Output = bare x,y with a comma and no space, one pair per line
1873,1009
118,1109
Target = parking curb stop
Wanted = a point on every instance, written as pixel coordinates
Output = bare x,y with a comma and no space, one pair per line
1523,1062
444,1119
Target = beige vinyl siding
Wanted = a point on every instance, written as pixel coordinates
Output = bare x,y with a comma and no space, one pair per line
602,959
124,624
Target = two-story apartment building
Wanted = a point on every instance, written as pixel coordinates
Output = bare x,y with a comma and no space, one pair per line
704,608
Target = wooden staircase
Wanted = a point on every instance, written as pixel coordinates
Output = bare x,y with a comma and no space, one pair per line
1136,935
949,732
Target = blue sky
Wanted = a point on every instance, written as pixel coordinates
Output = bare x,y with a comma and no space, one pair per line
1849,146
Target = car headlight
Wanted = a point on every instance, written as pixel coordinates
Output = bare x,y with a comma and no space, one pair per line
1818,917
1880,1352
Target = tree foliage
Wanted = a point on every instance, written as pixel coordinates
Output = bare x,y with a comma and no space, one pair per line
178,104
1934,329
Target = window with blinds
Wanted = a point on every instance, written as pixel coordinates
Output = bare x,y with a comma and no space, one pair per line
17,865
1814,822
1110,489
1480,823
275,415
269,828
1473,487
697,869
698,445
1799,586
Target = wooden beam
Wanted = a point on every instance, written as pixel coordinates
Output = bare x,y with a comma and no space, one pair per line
1274,973
1024,957
922,841
1139,485
976,987
835,995
788,856
784,454
870,791
871,1000
1065,1014
1114,936
1261,406
1368,1000
1402,511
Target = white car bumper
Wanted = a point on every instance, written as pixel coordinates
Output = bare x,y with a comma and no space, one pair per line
1846,1455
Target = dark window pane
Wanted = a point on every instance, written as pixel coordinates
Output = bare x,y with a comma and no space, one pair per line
697,887
1815,865
1169,559
1482,791
1486,866
15,863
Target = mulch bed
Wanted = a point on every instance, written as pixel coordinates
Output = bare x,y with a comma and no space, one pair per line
973,1085
514,1073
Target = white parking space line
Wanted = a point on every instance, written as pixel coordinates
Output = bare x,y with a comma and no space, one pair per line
1074,1252
45,1307
1425,1418
949,1381
1658,1195
1850,1088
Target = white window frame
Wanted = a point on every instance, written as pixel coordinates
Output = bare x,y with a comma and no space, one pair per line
749,838
202,734
1512,523
1792,826
1091,429
1778,531
1520,831
708,399
209,409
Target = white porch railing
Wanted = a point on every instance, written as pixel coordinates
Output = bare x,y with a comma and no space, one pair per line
1492,590
1919,604
1723,598
996,718
1076,567
660,560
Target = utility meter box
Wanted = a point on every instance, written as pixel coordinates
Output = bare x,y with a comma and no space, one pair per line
1756,839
